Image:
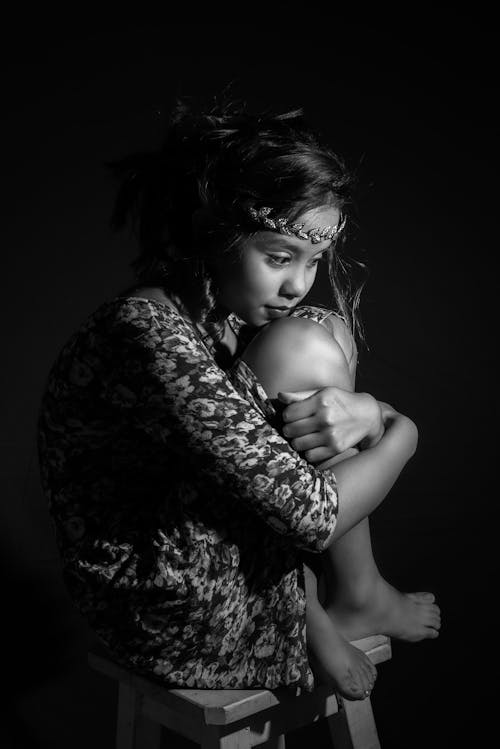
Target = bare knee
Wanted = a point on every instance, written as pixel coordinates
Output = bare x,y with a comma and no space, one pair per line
294,354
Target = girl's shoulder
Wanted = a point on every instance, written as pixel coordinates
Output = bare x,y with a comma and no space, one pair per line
319,313
326,317
140,311
121,320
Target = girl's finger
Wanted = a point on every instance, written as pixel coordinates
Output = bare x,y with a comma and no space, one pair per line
329,461
296,395
299,428
300,409
308,442
318,454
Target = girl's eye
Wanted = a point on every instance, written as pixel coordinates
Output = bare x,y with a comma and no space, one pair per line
280,261
317,260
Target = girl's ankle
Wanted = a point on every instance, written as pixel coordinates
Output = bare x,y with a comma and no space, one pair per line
356,594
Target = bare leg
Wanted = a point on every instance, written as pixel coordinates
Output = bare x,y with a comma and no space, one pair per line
357,598
332,657
363,603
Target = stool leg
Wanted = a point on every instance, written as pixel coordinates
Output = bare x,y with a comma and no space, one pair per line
353,727
277,742
213,740
127,717
147,734
133,730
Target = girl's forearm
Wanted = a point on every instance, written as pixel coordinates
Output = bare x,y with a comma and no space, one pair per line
366,478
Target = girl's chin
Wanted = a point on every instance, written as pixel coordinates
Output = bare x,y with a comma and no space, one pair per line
254,318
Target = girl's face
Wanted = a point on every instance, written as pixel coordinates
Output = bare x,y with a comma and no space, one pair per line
274,271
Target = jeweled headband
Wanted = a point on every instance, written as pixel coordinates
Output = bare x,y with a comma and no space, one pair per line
284,227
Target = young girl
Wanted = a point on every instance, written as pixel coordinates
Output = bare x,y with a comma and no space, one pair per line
189,427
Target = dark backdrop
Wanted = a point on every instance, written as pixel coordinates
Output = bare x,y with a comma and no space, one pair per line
409,105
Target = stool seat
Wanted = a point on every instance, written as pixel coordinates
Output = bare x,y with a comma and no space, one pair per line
237,718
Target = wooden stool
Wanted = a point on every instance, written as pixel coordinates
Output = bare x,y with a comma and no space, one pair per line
236,718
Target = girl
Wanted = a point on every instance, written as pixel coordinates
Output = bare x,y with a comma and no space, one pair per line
192,503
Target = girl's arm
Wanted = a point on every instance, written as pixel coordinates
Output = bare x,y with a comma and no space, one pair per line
162,379
366,478
332,419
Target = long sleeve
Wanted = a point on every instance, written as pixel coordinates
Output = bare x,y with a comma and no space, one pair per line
173,390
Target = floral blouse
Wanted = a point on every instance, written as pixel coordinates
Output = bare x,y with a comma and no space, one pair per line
181,513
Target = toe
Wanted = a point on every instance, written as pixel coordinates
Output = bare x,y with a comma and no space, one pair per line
368,678
353,689
432,618
369,669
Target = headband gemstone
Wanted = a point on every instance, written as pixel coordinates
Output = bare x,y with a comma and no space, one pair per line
282,226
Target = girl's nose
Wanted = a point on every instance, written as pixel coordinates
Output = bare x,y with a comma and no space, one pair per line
295,285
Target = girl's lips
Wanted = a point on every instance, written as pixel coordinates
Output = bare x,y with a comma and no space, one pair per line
277,311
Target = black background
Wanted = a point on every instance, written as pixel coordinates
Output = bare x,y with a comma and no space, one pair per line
409,103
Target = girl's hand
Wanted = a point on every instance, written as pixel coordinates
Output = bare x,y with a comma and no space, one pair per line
324,423
388,412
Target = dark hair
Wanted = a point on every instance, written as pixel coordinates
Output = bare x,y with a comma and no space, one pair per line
187,202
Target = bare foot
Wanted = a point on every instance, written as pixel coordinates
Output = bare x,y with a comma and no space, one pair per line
386,611
334,660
